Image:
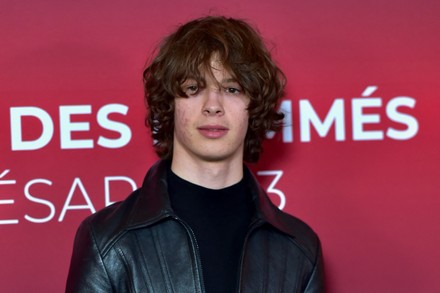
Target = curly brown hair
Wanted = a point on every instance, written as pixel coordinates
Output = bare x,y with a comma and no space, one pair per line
186,52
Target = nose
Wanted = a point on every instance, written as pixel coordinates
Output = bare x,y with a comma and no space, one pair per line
213,105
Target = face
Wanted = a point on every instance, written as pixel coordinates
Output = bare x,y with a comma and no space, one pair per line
211,123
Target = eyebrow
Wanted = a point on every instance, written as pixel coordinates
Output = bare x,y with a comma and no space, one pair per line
226,80
229,80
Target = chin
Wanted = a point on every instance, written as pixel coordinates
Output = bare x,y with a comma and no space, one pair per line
217,157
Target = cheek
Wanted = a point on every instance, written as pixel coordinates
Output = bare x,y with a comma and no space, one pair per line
180,116
241,121
243,115
182,124
245,125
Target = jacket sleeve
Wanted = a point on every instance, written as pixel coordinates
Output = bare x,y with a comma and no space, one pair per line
87,272
316,281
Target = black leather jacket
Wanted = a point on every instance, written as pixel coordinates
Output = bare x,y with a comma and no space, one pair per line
140,245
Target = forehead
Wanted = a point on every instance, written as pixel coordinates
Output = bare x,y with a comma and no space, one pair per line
214,69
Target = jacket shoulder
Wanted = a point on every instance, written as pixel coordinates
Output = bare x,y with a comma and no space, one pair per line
301,234
141,208
298,231
107,225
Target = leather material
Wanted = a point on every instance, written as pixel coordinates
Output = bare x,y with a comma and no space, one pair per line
140,245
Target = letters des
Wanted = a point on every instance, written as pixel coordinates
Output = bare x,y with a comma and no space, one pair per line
67,127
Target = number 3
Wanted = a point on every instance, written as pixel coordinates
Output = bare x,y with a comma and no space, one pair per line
277,174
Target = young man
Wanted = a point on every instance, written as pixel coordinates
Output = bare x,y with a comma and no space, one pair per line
200,222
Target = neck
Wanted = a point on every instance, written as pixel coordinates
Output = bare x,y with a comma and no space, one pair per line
213,175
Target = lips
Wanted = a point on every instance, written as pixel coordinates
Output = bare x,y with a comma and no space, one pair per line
213,131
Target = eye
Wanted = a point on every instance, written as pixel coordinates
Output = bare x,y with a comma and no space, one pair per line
191,90
232,90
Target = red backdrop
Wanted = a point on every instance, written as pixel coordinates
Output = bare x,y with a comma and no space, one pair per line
358,160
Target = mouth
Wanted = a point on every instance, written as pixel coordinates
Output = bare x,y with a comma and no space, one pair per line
213,131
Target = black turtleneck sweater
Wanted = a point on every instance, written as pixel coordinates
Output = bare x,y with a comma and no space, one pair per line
220,219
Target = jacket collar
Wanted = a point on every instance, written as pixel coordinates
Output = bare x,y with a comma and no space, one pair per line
153,204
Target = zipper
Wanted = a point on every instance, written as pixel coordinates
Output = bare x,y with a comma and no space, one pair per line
252,227
196,250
